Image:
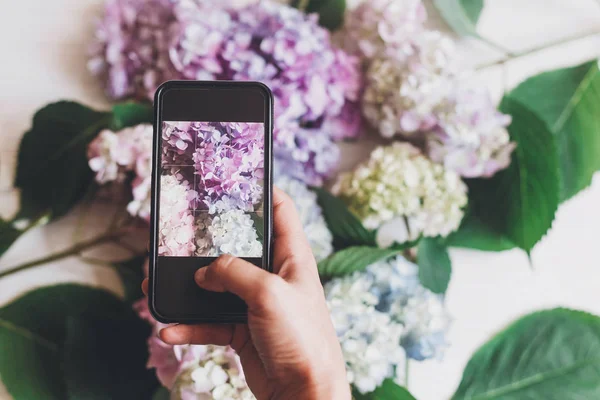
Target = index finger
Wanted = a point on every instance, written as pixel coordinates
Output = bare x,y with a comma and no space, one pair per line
290,240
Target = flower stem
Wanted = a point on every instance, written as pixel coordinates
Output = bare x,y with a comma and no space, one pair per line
71,251
511,56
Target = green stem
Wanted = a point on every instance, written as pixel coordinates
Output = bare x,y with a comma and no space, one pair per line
512,56
71,251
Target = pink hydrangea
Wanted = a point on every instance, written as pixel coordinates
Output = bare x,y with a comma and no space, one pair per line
114,156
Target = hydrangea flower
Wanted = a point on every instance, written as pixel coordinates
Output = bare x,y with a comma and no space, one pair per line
376,310
317,87
403,90
176,221
231,232
130,52
315,228
399,182
193,372
471,136
115,155
421,312
369,338
379,27
229,164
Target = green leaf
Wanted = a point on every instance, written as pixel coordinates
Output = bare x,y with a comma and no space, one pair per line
131,114
45,335
474,234
162,393
331,12
434,263
388,390
52,170
346,228
461,15
568,100
131,273
520,202
552,354
353,259
8,235
105,358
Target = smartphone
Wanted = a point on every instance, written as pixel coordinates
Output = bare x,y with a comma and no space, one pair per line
211,193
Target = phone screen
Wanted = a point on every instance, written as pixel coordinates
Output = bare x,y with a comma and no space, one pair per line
212,153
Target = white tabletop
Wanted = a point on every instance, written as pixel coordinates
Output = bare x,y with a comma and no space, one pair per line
43,54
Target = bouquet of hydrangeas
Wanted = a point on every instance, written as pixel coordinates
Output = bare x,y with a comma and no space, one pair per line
450,169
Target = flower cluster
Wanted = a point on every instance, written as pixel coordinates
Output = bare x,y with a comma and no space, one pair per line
383,315
176,221
413,88
225,161
471,136
398,181
315,228
370,340
317,87
195,372
230,232
113,156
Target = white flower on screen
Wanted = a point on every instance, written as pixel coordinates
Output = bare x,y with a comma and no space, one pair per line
176,222
315,228
230,232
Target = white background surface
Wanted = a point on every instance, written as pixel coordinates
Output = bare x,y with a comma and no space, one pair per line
43,59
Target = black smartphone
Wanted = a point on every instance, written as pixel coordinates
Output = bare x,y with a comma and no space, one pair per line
211,193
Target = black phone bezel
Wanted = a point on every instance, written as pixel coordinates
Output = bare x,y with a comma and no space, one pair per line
206,87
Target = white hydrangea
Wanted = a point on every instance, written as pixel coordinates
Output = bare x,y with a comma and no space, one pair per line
399,182
310,213
209,372
403,90
370,340
176,222
229,232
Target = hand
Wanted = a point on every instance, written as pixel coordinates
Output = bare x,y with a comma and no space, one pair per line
289,349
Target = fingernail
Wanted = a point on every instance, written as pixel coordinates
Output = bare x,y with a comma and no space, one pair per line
200,276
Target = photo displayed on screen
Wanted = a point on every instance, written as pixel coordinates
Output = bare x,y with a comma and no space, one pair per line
211,189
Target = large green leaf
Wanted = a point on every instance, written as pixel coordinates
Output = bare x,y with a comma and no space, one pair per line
388,390
353,259
550,355
52,170
520,202
461,15
568,100
130,114
56,343
131,273
346,228
331,12
434,263
474,234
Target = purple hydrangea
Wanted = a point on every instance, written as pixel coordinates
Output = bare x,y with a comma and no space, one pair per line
131,48
223,160
317,87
